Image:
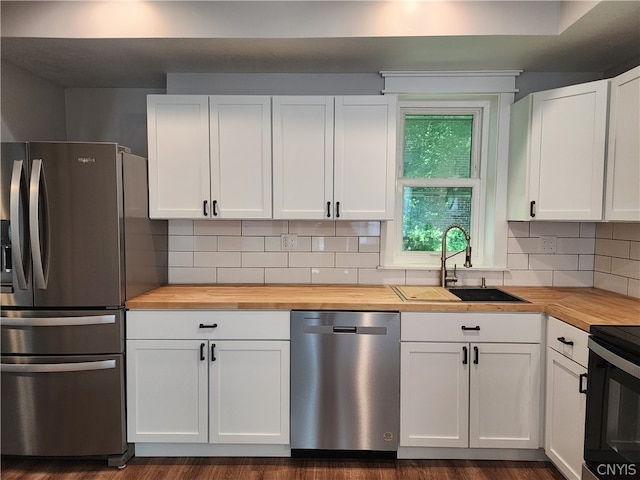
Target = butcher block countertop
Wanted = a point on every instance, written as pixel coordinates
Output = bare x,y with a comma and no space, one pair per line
581,307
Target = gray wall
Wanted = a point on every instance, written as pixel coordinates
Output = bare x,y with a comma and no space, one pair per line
32,108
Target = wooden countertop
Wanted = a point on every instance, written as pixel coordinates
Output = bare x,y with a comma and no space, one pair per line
581,307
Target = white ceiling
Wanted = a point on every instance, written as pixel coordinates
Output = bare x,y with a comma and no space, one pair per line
135,44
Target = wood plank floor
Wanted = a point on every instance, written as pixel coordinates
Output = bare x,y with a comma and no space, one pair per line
276,469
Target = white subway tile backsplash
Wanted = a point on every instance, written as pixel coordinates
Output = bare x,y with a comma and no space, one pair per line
373,276
529,278
205,243
627,231
180,227
334,275
181,259
312,259
240,275
181,243
192,275
312,228
625,268
634,288
518,261
264,259
572,279
553,262
217,227
602,264
604,230
518,229
612,248
334,244
357,260
587,230
523,245
586,262
241,244
555,229
422,277
369,244
613,283
471,278
264,227
287,275
217,259
634,250
576,245
361,229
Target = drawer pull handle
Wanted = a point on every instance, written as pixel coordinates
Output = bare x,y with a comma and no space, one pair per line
581,388
465,355
214,325
476,328
565,341
476,354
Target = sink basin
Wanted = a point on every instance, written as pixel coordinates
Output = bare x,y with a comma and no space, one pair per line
483,295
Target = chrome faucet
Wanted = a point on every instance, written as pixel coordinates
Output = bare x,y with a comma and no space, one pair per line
445,278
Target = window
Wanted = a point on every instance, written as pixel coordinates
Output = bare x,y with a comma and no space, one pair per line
441,180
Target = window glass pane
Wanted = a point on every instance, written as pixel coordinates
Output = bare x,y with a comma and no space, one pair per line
428,211
437,146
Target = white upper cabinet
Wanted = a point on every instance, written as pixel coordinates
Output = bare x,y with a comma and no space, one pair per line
623,153
178,135
557,153
209,157
334,157
240,136
302,157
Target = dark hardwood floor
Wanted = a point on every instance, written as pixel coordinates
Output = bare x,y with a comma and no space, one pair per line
276,469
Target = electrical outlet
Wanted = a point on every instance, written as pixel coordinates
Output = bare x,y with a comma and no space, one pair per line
548,244
289,242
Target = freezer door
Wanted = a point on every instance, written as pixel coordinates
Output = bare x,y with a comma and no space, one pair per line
15,254
76,223
63,405
61,332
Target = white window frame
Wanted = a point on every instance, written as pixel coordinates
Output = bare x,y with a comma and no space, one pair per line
488,182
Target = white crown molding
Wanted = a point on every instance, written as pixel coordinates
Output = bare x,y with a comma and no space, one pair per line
471,81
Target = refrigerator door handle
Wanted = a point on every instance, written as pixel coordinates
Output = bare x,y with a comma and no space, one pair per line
40,247
57,321
57,367
18,191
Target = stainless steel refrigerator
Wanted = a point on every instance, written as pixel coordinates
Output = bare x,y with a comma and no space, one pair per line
76,244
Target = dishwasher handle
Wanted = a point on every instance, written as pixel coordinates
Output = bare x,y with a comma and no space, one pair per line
345,329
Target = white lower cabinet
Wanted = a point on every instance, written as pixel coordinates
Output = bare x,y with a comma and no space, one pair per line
566,397
479,393
207,389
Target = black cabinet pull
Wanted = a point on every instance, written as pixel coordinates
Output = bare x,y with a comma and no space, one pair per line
465,353
532,209
204,208
202,345
213,325
214,204
337,209
476,328
476,357
213,352
581,389
565,342
328,209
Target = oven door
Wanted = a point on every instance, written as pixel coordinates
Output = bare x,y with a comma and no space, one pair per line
612,430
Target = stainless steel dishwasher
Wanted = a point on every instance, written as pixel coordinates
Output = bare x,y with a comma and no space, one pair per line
345,381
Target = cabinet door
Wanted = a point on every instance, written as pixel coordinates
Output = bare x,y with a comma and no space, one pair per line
166,391
178,136
623,153
240,156
434,394
249,392
302,157
565,414
364,159
567,152
504,395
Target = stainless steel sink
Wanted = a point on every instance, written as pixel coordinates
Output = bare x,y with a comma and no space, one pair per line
479,294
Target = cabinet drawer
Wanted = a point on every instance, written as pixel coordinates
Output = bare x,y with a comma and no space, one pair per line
561,334
471,327
199,324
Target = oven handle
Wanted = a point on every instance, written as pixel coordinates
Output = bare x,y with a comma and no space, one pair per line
58,321
57,367
621,363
